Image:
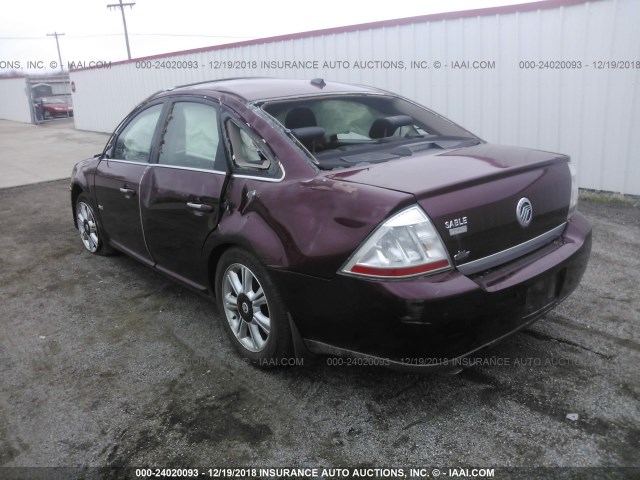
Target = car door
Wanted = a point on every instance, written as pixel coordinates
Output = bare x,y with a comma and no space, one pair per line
117,182
181,192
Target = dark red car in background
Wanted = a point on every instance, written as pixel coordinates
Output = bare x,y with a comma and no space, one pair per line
336,219
54,107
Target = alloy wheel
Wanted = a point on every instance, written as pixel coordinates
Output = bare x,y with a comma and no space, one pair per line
246,307
87,226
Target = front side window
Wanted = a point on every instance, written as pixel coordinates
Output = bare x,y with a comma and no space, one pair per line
134,142
191,137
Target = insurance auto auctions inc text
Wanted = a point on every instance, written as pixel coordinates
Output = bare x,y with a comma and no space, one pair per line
343,473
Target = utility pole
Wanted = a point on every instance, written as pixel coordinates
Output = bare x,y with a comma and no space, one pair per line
124,21
56,34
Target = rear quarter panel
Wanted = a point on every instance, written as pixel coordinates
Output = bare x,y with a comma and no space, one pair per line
306,226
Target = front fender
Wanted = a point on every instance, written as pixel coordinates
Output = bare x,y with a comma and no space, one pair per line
82,181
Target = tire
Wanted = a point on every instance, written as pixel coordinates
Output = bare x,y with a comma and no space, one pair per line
91,233
252,311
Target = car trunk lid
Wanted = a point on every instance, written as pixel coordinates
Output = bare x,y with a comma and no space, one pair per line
474,196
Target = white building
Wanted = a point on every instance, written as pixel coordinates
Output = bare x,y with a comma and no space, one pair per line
558,75
17,94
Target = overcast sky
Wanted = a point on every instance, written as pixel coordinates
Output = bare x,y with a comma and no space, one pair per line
95,33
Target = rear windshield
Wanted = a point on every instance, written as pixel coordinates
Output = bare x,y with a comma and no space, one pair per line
343,131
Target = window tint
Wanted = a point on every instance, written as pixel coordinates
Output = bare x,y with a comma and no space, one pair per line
191,137
134,143
245,152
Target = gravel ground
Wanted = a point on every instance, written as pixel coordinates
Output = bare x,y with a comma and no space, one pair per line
104,362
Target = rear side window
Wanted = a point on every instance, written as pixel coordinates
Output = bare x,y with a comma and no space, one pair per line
134,142
191,137
245,151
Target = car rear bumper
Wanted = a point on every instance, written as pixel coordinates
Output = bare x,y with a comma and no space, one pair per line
434,322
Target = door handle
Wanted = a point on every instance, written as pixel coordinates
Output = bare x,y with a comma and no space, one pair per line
200,207
128,191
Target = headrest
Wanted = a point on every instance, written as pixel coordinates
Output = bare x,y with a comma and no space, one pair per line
299,117
308,133
384,127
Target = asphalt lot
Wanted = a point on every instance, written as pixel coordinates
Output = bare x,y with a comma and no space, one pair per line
104,362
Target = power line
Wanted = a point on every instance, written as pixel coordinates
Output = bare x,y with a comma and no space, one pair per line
184,35
56,34
21,38
98,35
124,21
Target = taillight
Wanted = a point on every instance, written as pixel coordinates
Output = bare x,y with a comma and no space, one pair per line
406,245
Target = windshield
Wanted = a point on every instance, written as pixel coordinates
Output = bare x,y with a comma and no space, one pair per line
54,100
341,131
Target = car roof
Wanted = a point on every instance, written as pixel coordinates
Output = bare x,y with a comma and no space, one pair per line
254,89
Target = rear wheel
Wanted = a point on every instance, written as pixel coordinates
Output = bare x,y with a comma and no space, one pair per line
90,231
253,314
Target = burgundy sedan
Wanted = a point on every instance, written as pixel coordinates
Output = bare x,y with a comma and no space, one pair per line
336,219
55,107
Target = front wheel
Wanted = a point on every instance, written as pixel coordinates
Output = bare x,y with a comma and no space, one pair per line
90,231
253,314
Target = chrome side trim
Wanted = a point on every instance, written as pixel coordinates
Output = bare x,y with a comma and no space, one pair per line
218,172
123,161
264,179
215,172
511,253
178,167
